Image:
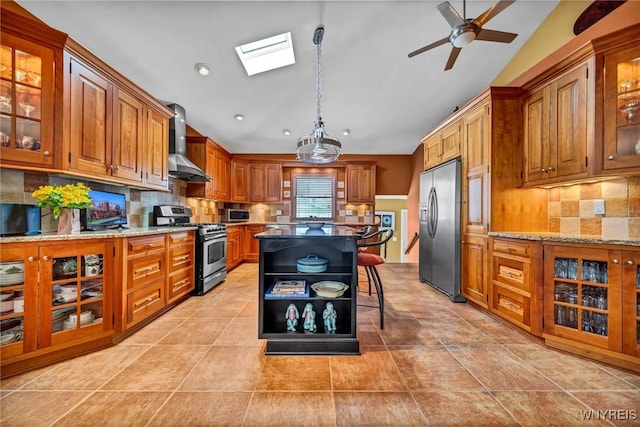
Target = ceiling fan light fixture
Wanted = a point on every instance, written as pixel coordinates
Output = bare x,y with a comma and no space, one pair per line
318,147
463,37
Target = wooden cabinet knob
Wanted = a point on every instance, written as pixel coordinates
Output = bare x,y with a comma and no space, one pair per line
46,153
610,157
30,258
615,261
543,170
629,262
550,168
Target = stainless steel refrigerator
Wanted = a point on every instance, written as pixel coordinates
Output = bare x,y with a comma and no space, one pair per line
440,193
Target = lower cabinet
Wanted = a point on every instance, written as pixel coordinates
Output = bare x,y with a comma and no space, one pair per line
235,238
516,295
181,264
56,297
282,317
251,244
592,303
475,272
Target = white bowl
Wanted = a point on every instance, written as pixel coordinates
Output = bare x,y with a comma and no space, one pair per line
11,273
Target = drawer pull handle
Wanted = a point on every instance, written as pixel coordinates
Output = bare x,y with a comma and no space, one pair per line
509,273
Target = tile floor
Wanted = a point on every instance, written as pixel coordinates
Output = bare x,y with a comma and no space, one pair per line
435,363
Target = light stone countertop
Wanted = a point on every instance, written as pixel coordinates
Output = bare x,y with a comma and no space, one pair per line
563,238
85,235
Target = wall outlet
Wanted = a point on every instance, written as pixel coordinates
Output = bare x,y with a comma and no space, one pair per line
278,211
598,207
348,213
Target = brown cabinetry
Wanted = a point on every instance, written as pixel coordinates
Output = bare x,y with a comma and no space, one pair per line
181,264
516,285
591,302
145,271
266,182
443,145
234,246
215,162
558,126
240,181
251,244
55,296
361,182
475,271
621,147
26,102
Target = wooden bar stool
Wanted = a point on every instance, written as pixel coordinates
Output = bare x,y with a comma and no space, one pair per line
369,261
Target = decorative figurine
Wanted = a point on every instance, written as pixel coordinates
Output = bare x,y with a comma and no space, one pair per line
329,315
292,317
309,317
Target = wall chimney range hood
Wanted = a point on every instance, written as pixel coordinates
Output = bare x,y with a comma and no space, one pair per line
180,167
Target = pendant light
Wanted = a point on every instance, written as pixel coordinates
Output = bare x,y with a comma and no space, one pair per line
318,146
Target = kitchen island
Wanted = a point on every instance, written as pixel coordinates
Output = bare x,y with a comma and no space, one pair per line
308,322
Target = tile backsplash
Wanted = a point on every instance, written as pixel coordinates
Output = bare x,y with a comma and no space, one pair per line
571,209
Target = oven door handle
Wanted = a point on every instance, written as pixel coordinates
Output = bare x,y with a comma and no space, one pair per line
207,238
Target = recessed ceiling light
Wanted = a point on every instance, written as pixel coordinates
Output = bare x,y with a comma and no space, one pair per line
239,117
202,69
286,132
346,132
267,54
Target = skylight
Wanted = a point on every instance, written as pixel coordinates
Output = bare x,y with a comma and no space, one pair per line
267,54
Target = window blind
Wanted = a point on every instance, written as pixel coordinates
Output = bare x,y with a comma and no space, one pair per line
314,197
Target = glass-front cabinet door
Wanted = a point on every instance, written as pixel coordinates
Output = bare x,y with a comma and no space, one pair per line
75,300
631,301
622,109
582,301
26,101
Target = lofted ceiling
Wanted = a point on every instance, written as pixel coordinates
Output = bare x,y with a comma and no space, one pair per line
369,85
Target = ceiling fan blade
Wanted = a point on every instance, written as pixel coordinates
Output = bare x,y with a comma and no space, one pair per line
450,14
452,58
493,11
495,36
429,46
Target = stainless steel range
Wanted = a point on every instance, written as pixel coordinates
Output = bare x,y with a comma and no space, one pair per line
211,245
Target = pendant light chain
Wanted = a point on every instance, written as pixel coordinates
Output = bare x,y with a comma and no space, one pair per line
319,82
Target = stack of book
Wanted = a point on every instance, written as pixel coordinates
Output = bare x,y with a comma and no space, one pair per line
288,289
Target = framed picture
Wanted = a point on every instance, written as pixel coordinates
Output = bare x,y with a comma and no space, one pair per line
386,219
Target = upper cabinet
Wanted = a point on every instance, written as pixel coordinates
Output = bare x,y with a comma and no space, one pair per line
622,109
266,182
361,182
26,102
442,145
240,181
558,127
215,162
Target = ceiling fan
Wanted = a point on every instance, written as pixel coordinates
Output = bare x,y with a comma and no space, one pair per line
465,30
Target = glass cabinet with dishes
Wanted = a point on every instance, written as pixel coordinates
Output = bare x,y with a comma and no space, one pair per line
54,294
26,101
582,303
630,262
622,108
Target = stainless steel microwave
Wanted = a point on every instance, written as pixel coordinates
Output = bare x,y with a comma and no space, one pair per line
237,215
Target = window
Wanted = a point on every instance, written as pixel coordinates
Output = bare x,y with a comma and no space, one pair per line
314,196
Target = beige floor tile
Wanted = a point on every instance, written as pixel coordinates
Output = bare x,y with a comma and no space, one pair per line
407,332
196,331
377,409
290,409
154,332
498,369
18,381
457,332
502,333
227,368
290,373
163,367
240,332
432,368
249,310
80,373
373,370
115,409
220,309
37,408
621,408
460,408
545,408
208,408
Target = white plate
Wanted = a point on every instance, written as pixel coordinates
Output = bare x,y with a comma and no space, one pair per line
329,289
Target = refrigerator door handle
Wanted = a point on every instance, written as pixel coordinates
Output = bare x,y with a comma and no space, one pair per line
434,212
431,224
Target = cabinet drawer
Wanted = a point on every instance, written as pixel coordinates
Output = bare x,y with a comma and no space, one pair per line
511,272
181,238
180,257
511,305
145,302
141,271
140,245
180,283
512,247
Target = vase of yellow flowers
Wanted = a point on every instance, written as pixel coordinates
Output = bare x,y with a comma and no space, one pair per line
65,202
